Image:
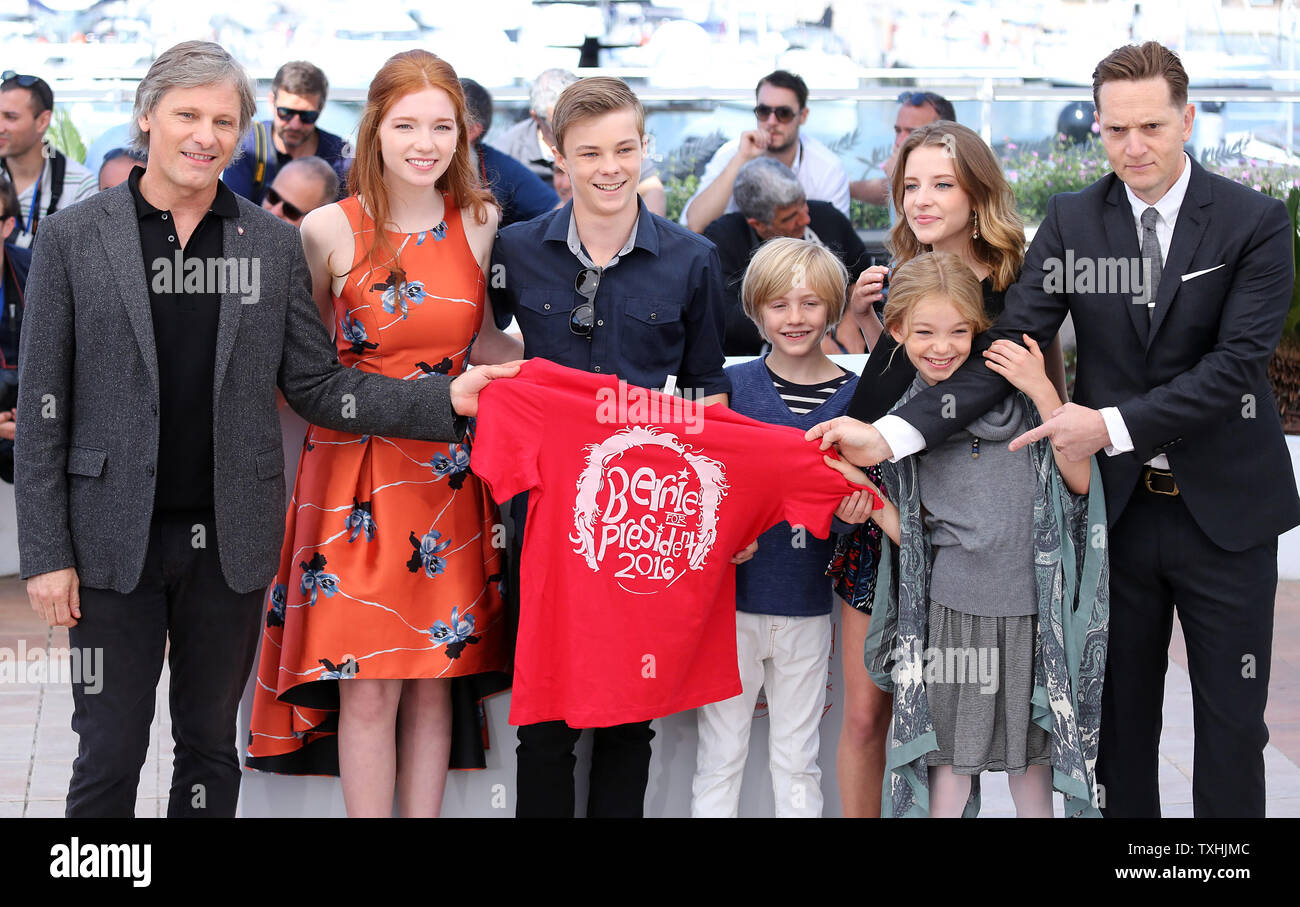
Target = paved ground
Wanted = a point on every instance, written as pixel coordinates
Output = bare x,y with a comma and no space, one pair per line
37,745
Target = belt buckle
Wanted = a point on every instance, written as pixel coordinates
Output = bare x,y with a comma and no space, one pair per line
1152,471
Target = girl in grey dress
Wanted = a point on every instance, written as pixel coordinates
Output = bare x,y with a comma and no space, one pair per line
977,497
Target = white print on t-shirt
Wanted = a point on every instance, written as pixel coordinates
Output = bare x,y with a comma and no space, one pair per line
651,526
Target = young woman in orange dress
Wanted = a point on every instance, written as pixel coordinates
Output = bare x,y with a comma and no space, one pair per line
389,582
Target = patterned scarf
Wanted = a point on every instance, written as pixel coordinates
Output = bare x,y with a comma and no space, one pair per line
1072,576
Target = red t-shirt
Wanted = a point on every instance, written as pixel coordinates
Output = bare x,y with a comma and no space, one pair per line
636,505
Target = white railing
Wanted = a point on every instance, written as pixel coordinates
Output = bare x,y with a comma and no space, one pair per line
987,87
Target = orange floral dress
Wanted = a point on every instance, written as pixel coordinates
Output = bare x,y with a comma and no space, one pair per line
389,568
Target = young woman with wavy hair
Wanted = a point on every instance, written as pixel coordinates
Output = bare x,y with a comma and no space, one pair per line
389,581
952,197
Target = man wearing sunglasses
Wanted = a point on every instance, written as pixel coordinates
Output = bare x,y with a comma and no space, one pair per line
781,109
44,178
916,109
301,185
298,94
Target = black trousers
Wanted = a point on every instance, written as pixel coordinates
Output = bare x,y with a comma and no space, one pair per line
183,595
1160,559
620,770
620,755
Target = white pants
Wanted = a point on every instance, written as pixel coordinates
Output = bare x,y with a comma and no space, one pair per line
788,657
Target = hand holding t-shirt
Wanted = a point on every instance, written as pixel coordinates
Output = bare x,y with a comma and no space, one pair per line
637,501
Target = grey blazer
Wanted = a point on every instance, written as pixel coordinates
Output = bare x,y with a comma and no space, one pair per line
87,432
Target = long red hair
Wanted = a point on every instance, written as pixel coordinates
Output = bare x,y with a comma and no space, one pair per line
403,74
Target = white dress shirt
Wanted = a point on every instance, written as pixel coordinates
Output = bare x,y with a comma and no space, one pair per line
904,440
1166,216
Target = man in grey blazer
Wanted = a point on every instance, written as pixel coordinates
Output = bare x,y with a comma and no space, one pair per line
161,316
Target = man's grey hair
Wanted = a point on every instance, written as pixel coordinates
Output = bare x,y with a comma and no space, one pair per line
763,185
191,64
321,170
547,88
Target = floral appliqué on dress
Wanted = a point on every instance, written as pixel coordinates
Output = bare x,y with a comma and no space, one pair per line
457,634
453,465
315,579
400,297
428,553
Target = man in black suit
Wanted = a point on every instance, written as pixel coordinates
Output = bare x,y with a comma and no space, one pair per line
1172,394
773,203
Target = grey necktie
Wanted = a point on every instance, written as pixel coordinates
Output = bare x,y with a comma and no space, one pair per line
1151,252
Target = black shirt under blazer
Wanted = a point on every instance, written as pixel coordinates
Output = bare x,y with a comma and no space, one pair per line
185,336
88,422
1193,384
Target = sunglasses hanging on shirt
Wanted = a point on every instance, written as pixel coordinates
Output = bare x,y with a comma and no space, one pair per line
581,318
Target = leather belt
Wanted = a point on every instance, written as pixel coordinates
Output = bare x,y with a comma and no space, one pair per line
1159,481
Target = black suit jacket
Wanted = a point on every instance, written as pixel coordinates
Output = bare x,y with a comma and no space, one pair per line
1193,384
737,242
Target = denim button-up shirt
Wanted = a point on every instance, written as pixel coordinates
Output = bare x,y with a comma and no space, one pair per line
659,309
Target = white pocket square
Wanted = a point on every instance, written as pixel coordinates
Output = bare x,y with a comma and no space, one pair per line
1187,277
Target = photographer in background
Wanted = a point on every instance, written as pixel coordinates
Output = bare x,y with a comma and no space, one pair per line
44,177
14,263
